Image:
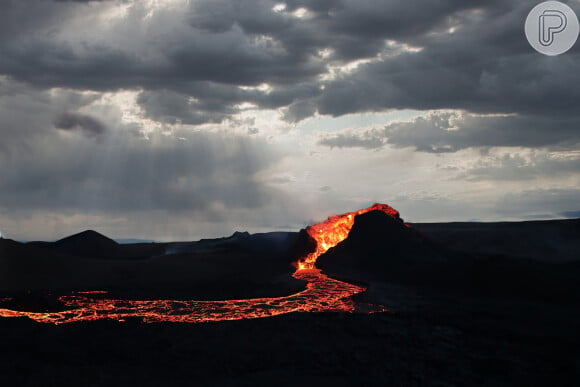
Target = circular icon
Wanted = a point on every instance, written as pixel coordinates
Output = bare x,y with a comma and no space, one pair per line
552,28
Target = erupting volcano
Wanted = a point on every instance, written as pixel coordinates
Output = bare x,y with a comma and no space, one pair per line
334,230
321,294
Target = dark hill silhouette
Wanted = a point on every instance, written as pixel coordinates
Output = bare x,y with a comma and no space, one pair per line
376,230
380,246
88,243
380,249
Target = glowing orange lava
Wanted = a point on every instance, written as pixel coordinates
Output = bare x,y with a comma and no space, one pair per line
321,294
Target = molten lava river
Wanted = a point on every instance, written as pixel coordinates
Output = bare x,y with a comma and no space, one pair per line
321,294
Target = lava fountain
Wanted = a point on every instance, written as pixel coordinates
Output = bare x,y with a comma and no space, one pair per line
321,294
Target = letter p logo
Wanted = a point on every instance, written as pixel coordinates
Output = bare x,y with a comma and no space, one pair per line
551,22
552,28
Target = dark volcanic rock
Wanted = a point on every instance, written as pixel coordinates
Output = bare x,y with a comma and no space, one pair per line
381,247
302,245
552,241
242,266
376,232
7,247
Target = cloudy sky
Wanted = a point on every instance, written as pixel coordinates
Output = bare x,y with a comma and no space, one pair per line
175,119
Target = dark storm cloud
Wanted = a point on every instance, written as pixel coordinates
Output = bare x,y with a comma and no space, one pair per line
450,131
198,62
93,67
18,18
524,83
90,126
228,44
207,102
485,66
448,54
190,53
171,107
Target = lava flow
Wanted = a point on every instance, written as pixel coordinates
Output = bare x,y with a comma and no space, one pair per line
321,294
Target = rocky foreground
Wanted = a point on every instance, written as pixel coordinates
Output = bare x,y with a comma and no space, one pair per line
457,317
